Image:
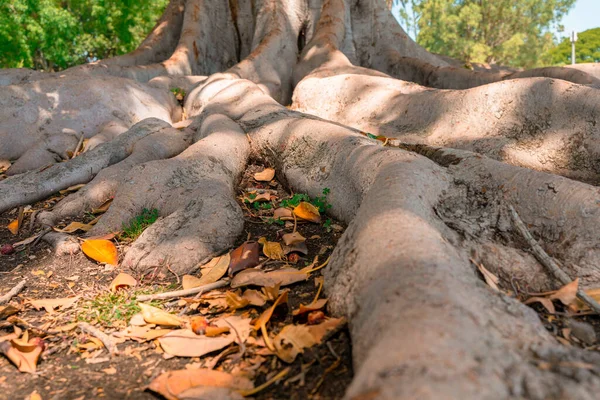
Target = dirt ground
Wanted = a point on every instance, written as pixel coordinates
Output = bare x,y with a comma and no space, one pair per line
70,370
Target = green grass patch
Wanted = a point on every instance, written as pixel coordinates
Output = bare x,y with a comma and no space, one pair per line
137,224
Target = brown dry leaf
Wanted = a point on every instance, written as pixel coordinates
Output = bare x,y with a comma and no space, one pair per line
185,343
567,294
314,306
254,297
273,250
245,256
240,326
265,175
293,339
172,384
26,241
50,304
212,331
266,315
143,333
13,227
122,281
218,267
293,238
307,212
296,248
235,301
110,371
190,281
26,361
7,311
547,303
283,276
491,279
101,250
283,213
63,328
74,227
153,315
103,207
266,196
73,188
271,292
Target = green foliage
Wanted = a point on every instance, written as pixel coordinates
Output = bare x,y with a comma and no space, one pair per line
138,223
320,201
57,34
509,32
587,48
110,309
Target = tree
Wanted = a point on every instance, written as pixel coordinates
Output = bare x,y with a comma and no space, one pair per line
54,35
587,49
511,33
442,186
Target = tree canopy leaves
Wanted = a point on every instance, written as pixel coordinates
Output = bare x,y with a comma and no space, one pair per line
587,48
57,34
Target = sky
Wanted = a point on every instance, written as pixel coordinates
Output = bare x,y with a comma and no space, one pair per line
583,16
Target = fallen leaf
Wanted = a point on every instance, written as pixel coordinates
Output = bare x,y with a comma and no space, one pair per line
210,393
218,267
110,371
34,396
547,303
245,256
303,309
296,248
199,324
122,281
190,281
13,226
7,311
241,327
307,212
103,207
254,297
293,339
25,361
315,317
143,333
235,301
185,343
101,250
273,250
26,241
74,227
265,196
153,315
283,213
265,175
172,384
567,294
266,315
293,238
63,328
73,188
491,279
271,292
50,304
283,276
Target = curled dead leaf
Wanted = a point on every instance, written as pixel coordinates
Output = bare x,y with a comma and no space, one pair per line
26,361
265,175
254,297
273,250
567,294
13,227
245,256
101,250
122,281
293,339
173,384
314,306
283,276
214,270
546,302
283,213
235,301
74,227
153,315
293,238
308,212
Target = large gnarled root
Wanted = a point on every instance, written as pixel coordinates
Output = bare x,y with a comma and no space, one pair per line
30,115
33,186
166,142
402,275
194,194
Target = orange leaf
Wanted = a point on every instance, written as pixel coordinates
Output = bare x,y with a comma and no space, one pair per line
13,227
265,175
567,294
173,383
101,250
122,280
307,212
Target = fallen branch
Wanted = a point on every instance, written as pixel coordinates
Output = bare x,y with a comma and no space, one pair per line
185,292
13,292
548,261
103,337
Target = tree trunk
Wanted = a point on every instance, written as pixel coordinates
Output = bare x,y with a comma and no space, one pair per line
419,207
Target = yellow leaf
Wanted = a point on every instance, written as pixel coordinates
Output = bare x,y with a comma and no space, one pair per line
273,250
218,268
153,315
190,281
265,175
235,301
307,212
75,226
101,250
13,227
122,280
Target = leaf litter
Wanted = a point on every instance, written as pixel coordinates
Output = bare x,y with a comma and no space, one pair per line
218,334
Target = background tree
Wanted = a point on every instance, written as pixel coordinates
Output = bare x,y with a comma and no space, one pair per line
587,49
56,34
512,33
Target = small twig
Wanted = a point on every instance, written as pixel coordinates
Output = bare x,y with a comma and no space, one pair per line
174,273
13,292
265,385
78,147
213,363
187,306
186,292
242,345
295,222
548,261
103,337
